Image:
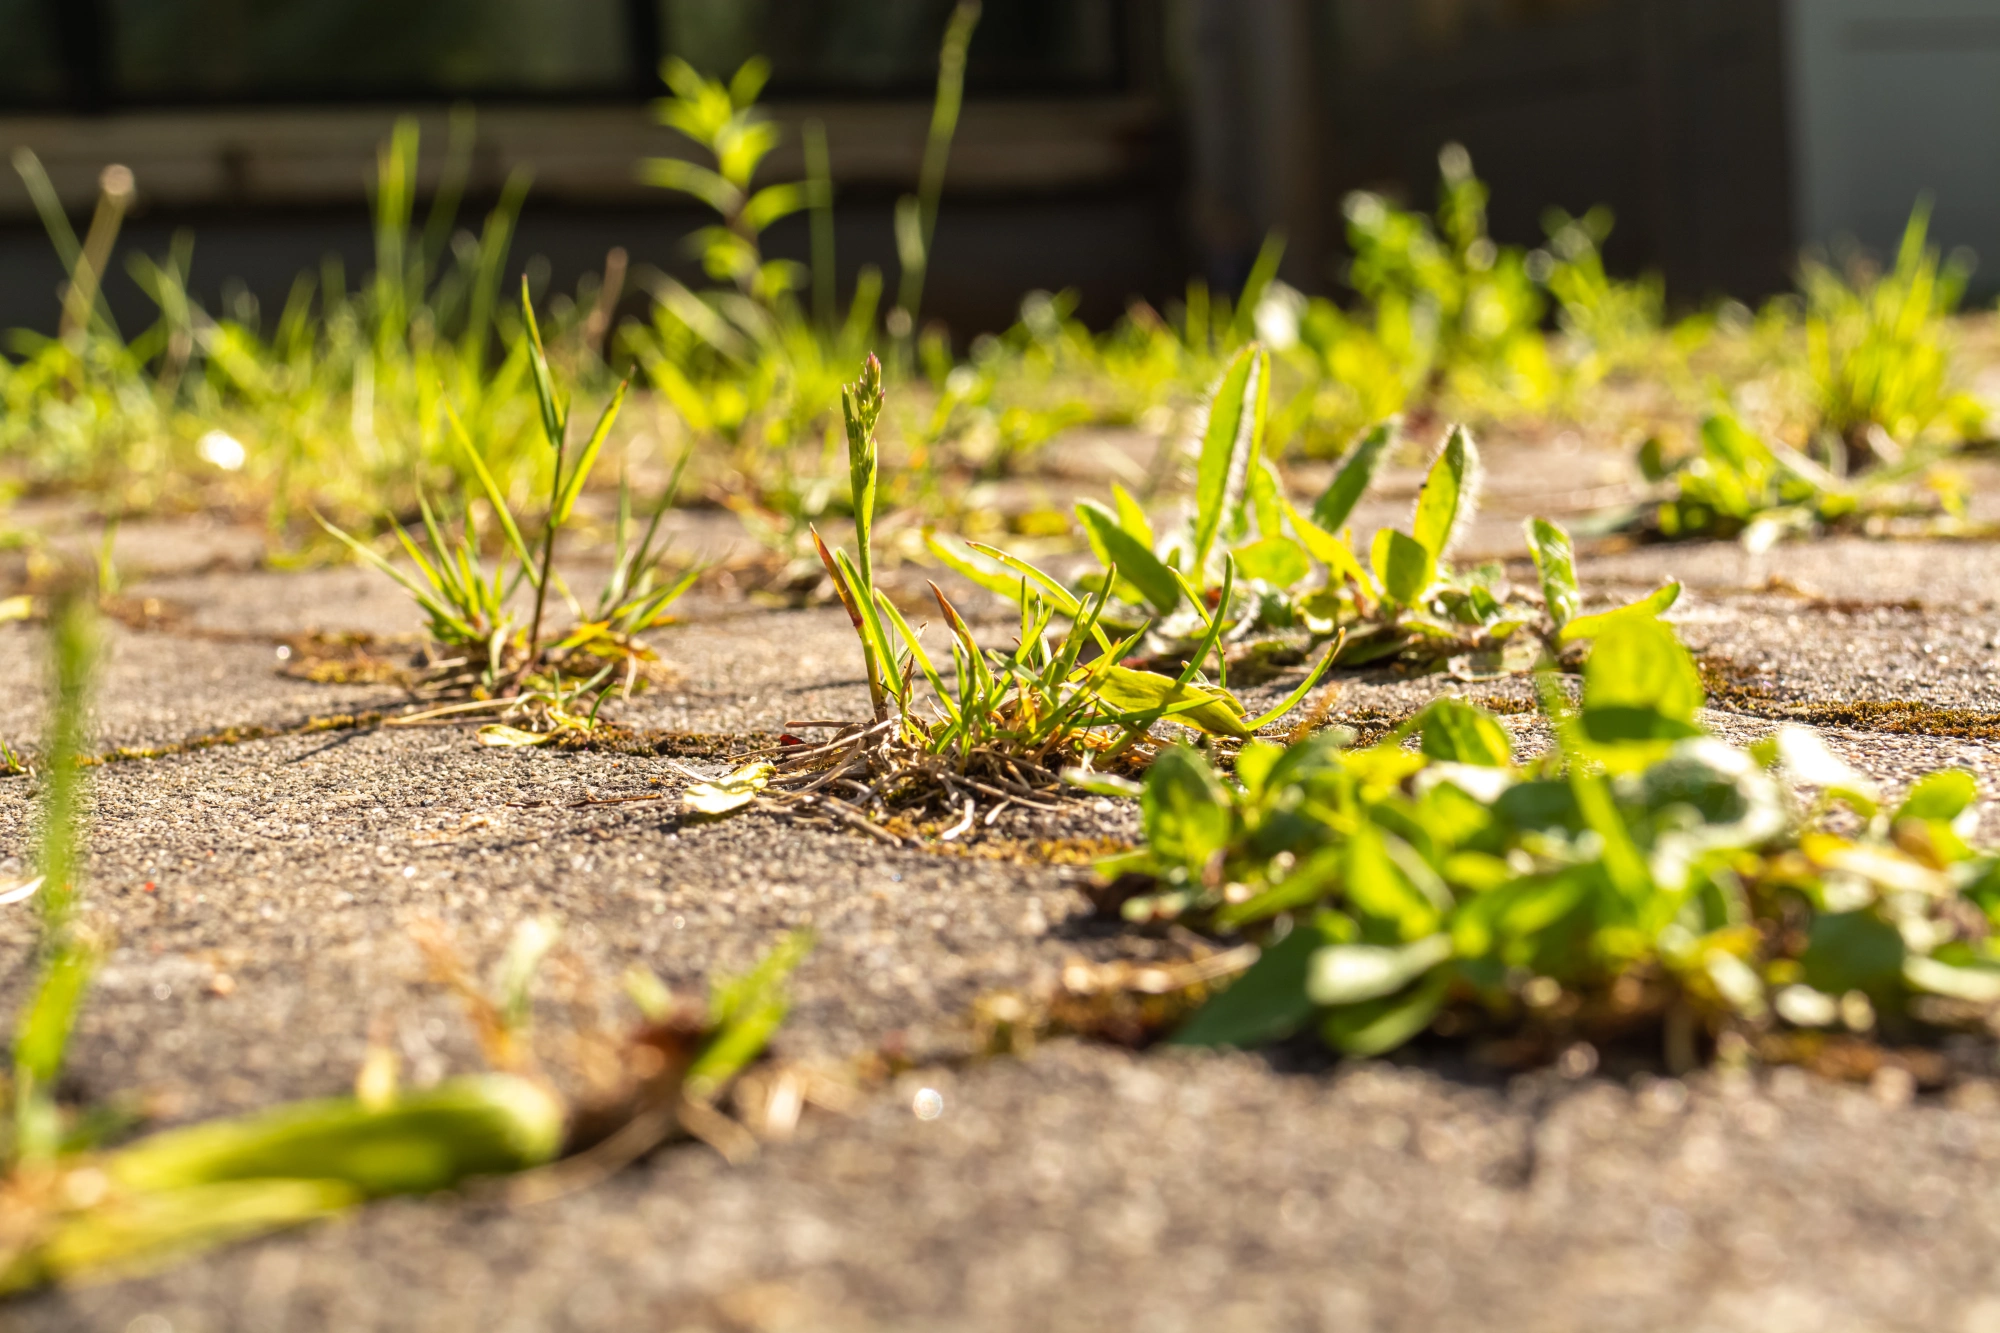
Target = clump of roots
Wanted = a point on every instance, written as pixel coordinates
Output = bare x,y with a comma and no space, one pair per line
865,774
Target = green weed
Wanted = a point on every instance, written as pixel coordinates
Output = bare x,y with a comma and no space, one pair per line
1641,876
916,215
1739,485
1476,297
745,364
482,650
1612,325
338,402
1292,573
67,954
1879,351
1004,723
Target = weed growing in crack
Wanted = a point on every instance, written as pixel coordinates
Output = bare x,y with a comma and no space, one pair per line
484,657
1006,723
67,954
1641,878
745,364
1301,581
1878,347
1740,485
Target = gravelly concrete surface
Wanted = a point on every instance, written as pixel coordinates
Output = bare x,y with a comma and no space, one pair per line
1090,1189
260,896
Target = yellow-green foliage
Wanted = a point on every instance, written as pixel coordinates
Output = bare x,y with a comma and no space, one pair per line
1879,346
341,402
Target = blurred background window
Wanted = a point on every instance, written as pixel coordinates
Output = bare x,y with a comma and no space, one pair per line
93,54
887,47
31,64
282,50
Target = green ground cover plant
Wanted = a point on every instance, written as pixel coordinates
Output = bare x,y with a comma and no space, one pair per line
1639,881
745,364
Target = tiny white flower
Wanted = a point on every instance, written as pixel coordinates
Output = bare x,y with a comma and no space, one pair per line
223,449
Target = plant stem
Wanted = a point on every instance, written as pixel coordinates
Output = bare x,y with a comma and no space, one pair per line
819,177
73,641
80,301
937,155
548,563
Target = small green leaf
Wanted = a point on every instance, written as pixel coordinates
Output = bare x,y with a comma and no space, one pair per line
1229,444
1460,733
1350,973
1404,566
1974,985
45,1024
1267,1003
1278,561
1555,561
774,202
1654,465
1263,497
1062,598
1299,692
1132,516
1724,440
135,1234
1131,691
1342,566
673,173
1185,809
1638,666
579,471
555,412
40,1039
1375,1027
1804,759
745,1011
1101,784
968,565
1585,628
1254,763
1945,794
1737,983
1378,886
500,734
1852,951
484,1125
1263,269
1333,508
1114,545
1449,493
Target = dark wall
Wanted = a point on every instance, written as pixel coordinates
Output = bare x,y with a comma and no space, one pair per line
1670,111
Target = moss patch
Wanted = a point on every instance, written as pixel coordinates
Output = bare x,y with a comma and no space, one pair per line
209,740
1736,690
646,743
